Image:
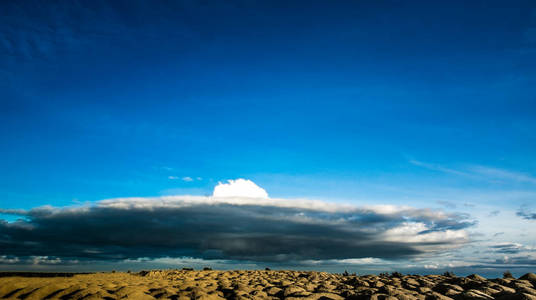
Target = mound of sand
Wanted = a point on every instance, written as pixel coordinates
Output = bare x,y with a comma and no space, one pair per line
214,285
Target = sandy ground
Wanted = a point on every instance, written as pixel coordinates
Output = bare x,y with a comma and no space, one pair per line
262,285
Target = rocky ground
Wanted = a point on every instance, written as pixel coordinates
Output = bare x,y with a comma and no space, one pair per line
293,285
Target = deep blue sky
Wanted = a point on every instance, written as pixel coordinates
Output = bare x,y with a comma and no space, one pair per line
402,102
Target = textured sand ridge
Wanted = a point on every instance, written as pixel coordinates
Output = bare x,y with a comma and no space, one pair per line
263,285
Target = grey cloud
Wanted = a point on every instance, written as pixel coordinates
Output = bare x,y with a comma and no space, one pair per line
507,248
19,212
511,248
118,230
494,213
526,214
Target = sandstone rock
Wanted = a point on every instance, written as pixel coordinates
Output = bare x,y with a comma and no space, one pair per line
527,290
476,277
530,277
490,291
451,293
437,296
208,297
424,290
362,283
382,297
517,284
503,281
404,296
325,288
386,289
475,295
366,291
293,290
325,296
412,281
259,294
411,287
461,281
426,283
272,291
269,285
377,284
517,296
285,282
444,287
505,290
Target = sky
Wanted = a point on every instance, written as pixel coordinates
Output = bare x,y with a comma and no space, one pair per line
366,136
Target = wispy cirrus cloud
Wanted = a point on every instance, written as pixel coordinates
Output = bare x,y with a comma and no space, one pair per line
184,178
479,172
439,168
501,174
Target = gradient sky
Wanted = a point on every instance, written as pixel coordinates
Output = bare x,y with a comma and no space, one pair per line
364,103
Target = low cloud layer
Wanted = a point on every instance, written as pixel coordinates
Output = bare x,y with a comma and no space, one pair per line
241,229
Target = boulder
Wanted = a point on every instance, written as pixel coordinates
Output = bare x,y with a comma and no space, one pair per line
444,287
411,281
530,277
437,296
293,290
273,291
475,295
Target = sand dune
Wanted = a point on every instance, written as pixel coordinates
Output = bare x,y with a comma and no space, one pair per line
171,284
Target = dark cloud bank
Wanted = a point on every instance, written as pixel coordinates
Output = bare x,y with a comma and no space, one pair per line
120,229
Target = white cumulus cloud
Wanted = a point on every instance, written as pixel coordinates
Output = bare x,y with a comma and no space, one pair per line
239,188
